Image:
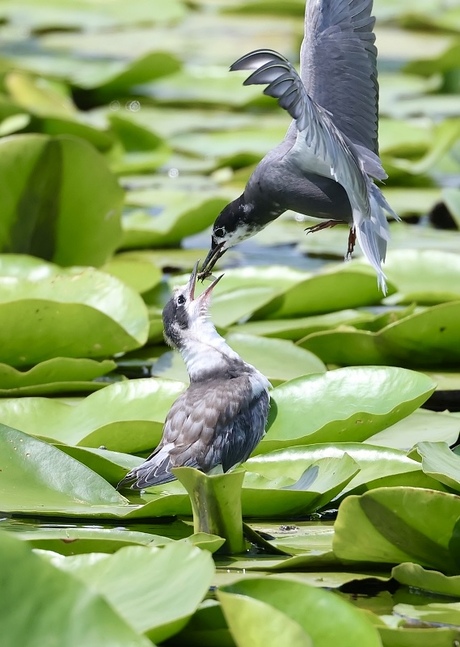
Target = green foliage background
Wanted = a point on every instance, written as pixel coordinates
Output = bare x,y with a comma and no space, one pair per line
122,135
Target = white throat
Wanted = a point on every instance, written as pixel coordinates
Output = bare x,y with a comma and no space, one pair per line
204,350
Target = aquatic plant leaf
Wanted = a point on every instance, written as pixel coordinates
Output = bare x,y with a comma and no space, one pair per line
254,623
53,376
40,479
292,597
417,577
422,425
63,205
346,404
426,338
47,613
154,589
441,463
394,525
128,418
47,311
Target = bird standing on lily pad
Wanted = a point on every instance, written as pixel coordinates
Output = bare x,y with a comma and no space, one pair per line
326,165
221,417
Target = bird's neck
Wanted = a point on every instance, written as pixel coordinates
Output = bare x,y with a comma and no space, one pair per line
207,354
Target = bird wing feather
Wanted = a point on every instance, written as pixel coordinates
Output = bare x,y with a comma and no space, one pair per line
208,425
338,66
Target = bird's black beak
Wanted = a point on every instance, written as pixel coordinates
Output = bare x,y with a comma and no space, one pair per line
211,259
204,296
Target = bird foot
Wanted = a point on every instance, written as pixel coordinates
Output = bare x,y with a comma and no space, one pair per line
323,225
351,243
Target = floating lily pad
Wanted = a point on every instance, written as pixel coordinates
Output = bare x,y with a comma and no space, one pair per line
78,541
441,463
129,417
394,525
417,577
45,612
155,590
172,217
291,597
342,287
422,425
299,327
63,202
49,312
350,404
60,374
140,274
424,276
427,338
40,479
378,466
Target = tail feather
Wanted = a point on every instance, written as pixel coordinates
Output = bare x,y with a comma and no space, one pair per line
373,233
156,470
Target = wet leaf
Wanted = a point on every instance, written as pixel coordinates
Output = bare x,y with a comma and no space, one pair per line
303,413
290,597
45,613
441,463
63,203
422,425
53,376
426,338
154,589
129,417
47,312
417,577
393,525
38,478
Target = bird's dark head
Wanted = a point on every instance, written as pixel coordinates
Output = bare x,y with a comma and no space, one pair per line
231,227
185,316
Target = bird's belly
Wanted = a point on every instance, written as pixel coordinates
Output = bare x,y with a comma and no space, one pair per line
309,193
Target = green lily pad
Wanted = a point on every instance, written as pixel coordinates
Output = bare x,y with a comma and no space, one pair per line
422,425
339,288
128,418
48,312
154,589
394,525
78,541
140,274
54,375
424,276
378,466
427,338
45,613
417,577
254,623
112,466
40,479
63,202
291,597
320,481
171,218
325,408
299,327
441,463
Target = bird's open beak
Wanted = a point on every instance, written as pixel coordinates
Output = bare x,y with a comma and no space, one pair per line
211,259
204,296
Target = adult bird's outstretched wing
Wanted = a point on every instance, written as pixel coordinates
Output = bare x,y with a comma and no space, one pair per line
338,66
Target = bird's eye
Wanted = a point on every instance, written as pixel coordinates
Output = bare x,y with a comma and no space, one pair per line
181,300
219,232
